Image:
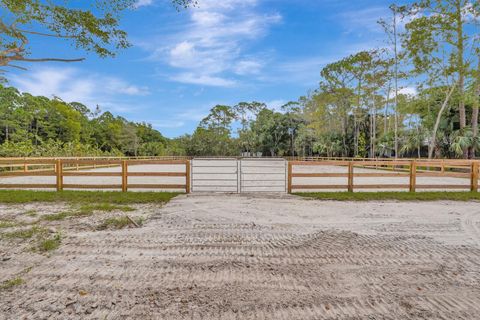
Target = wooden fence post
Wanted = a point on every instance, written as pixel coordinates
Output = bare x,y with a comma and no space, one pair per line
413,176
350,176
59,171
475,176
124,176
187,176
290,171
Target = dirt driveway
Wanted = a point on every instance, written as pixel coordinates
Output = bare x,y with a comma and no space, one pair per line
264,257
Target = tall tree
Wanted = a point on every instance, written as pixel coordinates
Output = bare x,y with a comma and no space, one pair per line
438,41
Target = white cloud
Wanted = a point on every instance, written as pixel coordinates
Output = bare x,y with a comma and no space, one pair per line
207,80
364,20
409,91
248,66
211,47
276,104
143,3
71,84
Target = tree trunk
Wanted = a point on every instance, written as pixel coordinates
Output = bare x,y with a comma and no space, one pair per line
385,117
461,70
374,128
432,144
396,81
475,107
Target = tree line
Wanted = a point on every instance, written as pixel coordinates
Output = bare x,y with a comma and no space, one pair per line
39,126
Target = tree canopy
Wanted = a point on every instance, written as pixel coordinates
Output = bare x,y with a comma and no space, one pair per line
93,26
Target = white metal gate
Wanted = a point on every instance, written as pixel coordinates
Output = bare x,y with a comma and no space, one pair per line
214,175
238,175
263,175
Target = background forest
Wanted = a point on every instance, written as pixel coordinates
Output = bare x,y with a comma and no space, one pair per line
418,96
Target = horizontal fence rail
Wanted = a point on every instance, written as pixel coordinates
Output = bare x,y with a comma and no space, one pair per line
306,175
72,167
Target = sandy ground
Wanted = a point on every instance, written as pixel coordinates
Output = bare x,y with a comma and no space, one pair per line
256,257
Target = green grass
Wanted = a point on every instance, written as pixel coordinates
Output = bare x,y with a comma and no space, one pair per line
400,196
8,284
87,210
50,244
31,213
56,216
25,233
7,224
85,197
117,223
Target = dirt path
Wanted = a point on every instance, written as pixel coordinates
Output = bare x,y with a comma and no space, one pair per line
268,257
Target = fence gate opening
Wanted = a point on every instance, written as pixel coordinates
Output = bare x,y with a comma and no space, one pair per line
238,175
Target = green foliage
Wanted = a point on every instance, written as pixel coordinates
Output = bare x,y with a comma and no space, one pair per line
37,126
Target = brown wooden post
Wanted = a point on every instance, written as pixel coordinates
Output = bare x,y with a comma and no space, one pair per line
124,176
350,176
289,178
443,166
413,176
187,176
59,171
475,176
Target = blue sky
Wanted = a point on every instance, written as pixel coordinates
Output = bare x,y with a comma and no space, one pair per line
223,52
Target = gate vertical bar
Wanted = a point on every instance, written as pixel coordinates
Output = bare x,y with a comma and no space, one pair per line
239,175
289,177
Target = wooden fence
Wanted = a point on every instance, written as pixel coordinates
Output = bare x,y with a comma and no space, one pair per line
468,170
302,176
71,167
